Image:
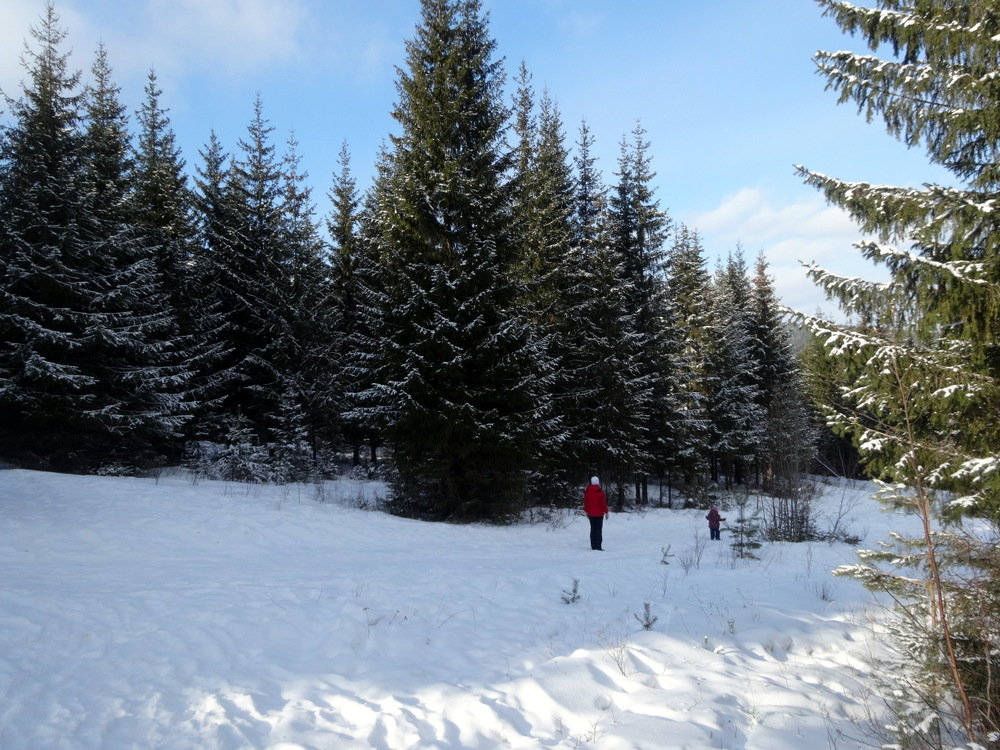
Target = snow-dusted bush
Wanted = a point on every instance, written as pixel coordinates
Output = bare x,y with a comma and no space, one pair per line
790,517
239,459
572,594
744,529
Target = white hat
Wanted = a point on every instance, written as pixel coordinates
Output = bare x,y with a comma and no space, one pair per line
595,480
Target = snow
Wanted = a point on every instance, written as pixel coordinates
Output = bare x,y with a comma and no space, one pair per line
141,613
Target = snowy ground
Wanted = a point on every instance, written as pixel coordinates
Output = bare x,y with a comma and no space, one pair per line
172,614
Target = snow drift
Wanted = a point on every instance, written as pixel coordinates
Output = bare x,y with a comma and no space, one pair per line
173,614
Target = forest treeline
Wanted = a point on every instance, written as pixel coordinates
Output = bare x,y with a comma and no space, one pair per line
491,313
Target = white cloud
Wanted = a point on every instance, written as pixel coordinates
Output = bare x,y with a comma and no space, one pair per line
227,36
750,217
788,234
176,37
228,43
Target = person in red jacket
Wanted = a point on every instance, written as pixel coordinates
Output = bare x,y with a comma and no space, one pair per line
595,505
713,522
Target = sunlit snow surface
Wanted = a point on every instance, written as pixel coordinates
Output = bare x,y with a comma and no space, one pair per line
175,614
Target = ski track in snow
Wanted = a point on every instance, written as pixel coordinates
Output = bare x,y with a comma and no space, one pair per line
172,614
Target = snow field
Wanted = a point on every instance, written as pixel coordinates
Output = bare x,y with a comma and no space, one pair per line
172,614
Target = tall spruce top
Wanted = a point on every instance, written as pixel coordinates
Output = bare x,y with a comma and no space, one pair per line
453,123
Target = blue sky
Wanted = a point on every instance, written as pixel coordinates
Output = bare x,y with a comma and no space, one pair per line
725,89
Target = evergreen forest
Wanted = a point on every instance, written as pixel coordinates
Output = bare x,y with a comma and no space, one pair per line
490,323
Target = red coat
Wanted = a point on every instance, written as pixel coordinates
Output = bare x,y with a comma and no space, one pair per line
594,501
714,518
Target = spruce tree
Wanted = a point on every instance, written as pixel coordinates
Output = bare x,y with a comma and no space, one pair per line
687,294
343,226
548,189
735,414
744,529
81,369
543,207
637,229
823,374
574,378
141,375
789,438
161,201
922,403
292,447
45,283
615,394
455,388
160,205
215,370
590,196
524,132
364,406
253,268
605,393
107,141
312,358
671,431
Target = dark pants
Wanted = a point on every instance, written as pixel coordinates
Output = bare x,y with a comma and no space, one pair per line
714,533
596,527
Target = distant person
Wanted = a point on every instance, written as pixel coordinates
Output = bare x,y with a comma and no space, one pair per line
714,519
595,505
